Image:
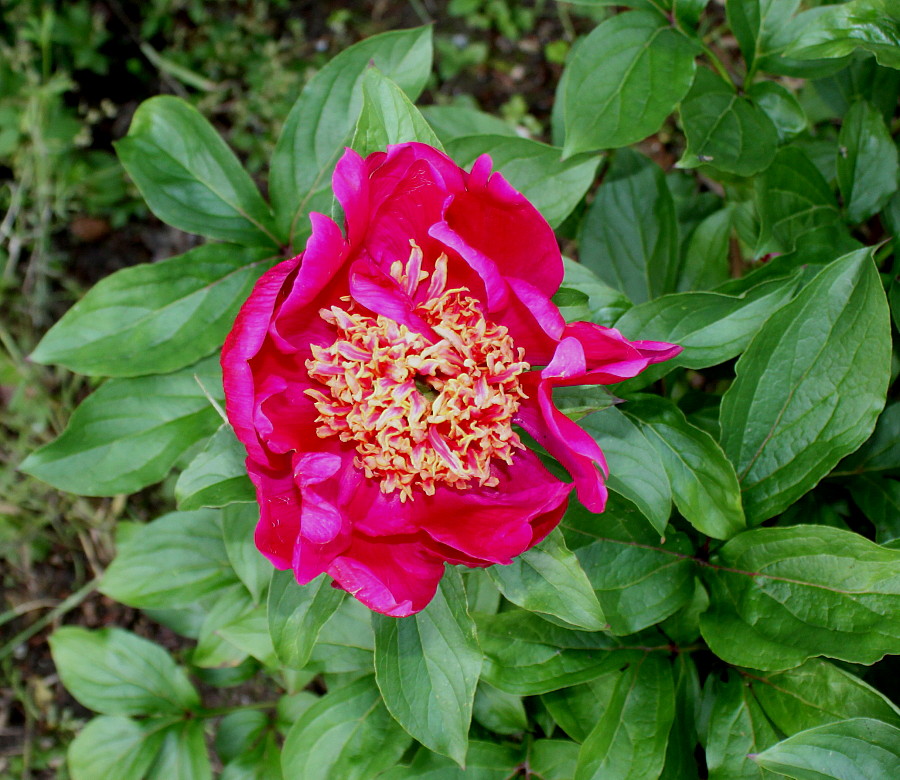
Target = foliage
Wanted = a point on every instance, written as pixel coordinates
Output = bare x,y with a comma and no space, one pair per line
745,570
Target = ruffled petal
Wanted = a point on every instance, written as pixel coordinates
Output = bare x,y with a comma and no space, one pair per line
395,577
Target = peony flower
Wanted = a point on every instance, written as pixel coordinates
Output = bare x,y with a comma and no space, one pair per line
379,381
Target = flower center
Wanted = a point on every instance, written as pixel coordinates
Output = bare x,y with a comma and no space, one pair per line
421,410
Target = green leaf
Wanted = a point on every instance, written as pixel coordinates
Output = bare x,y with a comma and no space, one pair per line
879,500
238,732
881,451
183,754
129,433
217,475
213,650
871,25
112,747
629,237
552,185
348,734
261,763
427,667
809,387
553,759
781,106
249,632
706,255
526,655
346,641
190,178
548,579
635,469
704,485
115,672
297,614
629,740
795,203
753,22
388,117
605,304
452,122
737,727
816,693
725,130
321,122
238,526
866,162
681,763
155,318
847,750
484,761
187,546
814,590
624,80
639,578
498,711
710,326
577,709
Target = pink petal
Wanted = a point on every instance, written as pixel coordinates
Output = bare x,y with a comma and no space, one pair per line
393,577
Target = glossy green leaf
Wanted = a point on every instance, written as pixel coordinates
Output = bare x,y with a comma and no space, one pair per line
548,579
297,614
452,122
706,263
816,693
238,732
553,759
484,761
346,642
881,451
553,186
113,747
639,578
737,727
795,203
187,546
624,80
782,108
526,655
321,122
261,763
704,485
879,500
155,318
182,754
635,469
190,178
348,733
753,21
854,749
809,387
427,667
724,129
711,327
871,25
251,566
217,475
605,304
578,709
629,740
249,632
387,117
812,589
629,237
129,433
115,672
498,711
213,651
866,162
681,763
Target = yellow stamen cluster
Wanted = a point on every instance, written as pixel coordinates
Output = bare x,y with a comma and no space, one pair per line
421,411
